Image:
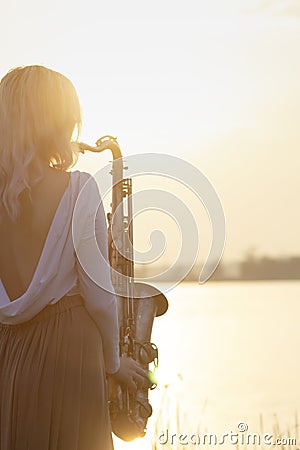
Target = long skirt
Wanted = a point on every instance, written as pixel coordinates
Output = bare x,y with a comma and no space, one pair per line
53,391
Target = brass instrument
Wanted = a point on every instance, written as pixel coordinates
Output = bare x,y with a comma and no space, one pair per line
138,303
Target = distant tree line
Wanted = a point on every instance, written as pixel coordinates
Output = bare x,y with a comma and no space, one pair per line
266,268
260,268
250,268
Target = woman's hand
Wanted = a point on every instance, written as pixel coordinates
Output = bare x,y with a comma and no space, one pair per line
131,373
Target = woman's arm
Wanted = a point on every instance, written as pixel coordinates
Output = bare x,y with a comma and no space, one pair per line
96,286
90,234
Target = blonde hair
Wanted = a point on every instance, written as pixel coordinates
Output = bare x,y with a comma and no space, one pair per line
39,112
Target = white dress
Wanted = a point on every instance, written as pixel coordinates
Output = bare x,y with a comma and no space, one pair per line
56,348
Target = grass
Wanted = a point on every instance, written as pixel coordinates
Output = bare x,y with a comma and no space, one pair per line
284,436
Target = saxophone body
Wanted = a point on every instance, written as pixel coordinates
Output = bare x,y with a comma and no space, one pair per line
138,303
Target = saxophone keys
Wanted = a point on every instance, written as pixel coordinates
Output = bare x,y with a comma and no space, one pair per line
145,410
148,353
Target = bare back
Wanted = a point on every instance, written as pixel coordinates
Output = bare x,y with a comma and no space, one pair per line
22,243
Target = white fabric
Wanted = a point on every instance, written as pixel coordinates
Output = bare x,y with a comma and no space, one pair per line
60,273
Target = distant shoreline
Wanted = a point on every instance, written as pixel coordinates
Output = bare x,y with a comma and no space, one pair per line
252,268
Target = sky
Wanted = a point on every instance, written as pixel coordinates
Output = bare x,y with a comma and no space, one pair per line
215,83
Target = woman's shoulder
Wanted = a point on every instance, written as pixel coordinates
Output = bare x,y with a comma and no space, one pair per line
87,200
86,187
84,180
81,175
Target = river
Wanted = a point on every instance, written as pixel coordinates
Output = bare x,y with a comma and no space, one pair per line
228,355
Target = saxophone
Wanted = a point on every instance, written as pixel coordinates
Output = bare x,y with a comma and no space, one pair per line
138,303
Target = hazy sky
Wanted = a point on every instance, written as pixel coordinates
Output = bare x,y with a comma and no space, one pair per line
215,82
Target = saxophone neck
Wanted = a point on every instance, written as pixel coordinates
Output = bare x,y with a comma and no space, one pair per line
110,142
106,142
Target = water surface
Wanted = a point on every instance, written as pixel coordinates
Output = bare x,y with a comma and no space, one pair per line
228,354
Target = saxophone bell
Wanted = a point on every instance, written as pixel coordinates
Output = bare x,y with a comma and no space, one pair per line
130,412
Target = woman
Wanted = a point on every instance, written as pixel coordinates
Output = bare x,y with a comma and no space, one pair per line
58,325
